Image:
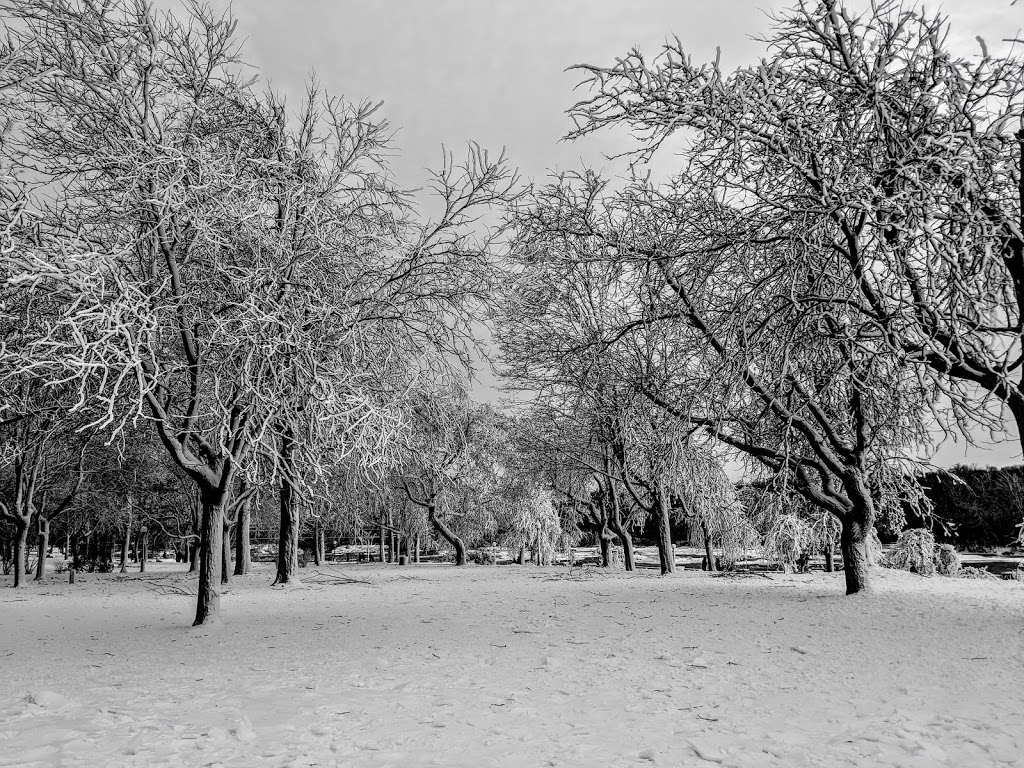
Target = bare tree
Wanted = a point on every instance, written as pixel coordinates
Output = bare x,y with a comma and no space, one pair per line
451,463
755,264
553,319
884,163
245,286
36,446
579,328
142,123
373,296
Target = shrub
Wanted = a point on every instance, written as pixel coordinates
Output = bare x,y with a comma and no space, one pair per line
88,565
917,552
947,561
914,551
967,572
483,556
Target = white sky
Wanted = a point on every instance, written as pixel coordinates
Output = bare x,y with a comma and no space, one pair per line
450,71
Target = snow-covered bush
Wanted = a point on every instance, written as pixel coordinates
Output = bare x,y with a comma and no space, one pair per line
969,572
914,551
486,556
947,561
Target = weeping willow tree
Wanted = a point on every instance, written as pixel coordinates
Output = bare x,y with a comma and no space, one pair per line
791,527
533,522
548,485
714,515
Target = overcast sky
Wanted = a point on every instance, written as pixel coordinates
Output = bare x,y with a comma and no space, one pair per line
449,71
453,70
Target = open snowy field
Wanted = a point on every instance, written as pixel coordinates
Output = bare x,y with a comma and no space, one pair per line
513,666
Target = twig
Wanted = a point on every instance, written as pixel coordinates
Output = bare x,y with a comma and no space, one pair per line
334,578
741,574
164,588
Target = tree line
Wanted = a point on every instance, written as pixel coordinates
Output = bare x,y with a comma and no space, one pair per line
214,304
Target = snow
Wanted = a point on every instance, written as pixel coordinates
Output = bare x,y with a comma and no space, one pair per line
433,665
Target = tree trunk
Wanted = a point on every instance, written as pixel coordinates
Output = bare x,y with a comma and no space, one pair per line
225,562
318,544
243,558
209,557
830,565
605,540
109,544
416,550
142,548
615,523
193,544
448,535
124,548
665,553
392,541
43,529
20,548
616,526
380,545
855,556
73,549
288,540
521,560
709,545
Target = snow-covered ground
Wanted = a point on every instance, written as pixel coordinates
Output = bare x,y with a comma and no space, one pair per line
513,666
